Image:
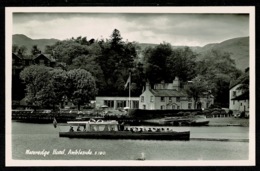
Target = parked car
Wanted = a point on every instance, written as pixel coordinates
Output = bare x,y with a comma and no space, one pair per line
237,115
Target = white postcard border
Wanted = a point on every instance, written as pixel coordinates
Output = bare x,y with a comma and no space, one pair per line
8,25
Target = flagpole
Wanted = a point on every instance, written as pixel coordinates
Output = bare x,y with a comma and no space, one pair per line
129,90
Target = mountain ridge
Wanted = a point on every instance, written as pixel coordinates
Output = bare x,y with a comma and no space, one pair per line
21,39
237,47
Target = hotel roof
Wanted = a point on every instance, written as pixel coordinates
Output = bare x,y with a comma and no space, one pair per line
168,93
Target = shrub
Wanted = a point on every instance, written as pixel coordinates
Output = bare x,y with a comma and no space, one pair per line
215,113
180,113
194,113
242,115
214,106
222,111
186,113
230,112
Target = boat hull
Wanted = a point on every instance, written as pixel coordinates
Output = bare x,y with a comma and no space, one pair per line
200,123
129,135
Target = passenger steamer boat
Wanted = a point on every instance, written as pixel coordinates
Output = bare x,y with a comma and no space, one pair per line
113,130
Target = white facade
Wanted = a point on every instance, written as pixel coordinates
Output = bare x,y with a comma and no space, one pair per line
117,102
237,105
170,96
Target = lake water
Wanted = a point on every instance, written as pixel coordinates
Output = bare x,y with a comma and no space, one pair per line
28,137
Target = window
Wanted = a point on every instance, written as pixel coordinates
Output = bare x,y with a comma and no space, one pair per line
170,99
41,62
234,94
162,99
151,98
173,106
189,99
241,104
109,103
178,99
162,107
121,103
233,102
135,104
144,106
178,107
189,105
142,98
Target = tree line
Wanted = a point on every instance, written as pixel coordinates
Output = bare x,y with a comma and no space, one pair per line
87,68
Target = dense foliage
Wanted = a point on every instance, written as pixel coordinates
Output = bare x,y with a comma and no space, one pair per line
47,87
86,68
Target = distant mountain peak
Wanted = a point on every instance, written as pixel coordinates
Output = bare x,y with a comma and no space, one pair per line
23,40
237,47
21,36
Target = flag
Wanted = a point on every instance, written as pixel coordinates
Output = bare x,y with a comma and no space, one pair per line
54,123
127,82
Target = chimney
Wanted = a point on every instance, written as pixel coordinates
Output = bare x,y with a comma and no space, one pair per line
147,86
19,52
176,84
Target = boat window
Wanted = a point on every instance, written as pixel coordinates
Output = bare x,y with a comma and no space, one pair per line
92,128
105,128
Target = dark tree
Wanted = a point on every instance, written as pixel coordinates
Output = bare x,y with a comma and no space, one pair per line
155,62
82,86
181,63
35,50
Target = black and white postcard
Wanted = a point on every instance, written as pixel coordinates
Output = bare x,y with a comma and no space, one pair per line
130,86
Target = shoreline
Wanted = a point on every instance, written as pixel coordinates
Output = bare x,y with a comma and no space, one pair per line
228,121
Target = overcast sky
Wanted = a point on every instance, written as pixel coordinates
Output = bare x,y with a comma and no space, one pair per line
177,29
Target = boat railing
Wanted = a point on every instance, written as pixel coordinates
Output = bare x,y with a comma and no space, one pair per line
154,129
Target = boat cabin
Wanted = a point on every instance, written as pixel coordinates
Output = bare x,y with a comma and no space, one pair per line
93,125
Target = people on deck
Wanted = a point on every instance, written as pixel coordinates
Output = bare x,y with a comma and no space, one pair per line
78,129
150,130
122,126
71,129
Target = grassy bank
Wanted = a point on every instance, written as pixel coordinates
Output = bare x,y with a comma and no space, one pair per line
228,120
